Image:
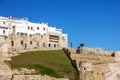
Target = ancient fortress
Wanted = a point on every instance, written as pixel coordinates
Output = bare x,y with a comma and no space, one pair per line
21,35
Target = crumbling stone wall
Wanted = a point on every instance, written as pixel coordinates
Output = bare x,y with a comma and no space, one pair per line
35,77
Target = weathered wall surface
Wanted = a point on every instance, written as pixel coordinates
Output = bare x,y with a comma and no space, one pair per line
94,66
36,77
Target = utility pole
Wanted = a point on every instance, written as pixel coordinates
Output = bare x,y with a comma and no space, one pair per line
71,45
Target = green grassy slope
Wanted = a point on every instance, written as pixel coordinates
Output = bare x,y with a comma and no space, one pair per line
53,63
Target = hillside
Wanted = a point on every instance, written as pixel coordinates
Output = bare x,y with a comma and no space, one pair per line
53,63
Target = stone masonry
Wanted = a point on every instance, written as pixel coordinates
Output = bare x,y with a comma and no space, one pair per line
93,66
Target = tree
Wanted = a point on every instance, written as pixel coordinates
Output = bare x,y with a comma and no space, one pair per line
81,46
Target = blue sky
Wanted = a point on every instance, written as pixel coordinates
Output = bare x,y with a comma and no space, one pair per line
96,23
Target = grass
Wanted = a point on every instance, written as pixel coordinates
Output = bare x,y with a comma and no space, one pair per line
53,63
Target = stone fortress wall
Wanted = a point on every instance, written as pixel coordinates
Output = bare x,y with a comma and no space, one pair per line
95,63
21,35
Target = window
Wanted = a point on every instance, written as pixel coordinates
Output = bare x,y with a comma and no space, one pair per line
44,29
4,22
13,27
30,42
41,36
21,34
97,73
17,33
25,45
84,68
37,28
30,35
54,45
102,73
49,45
28,27
3,31
21,42
12,43
53,37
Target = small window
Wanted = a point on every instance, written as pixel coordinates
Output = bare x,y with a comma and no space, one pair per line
28,27
44,29
30,35
41,36
12,43
17,33
30,42
54,45
21,34
4,22
3,31
84,68
49,45
97,73
102,73
37,28
21,42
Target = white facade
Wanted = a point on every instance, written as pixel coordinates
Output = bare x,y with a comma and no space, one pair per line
9,26
22,25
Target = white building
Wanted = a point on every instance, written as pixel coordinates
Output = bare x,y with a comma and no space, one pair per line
18,34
